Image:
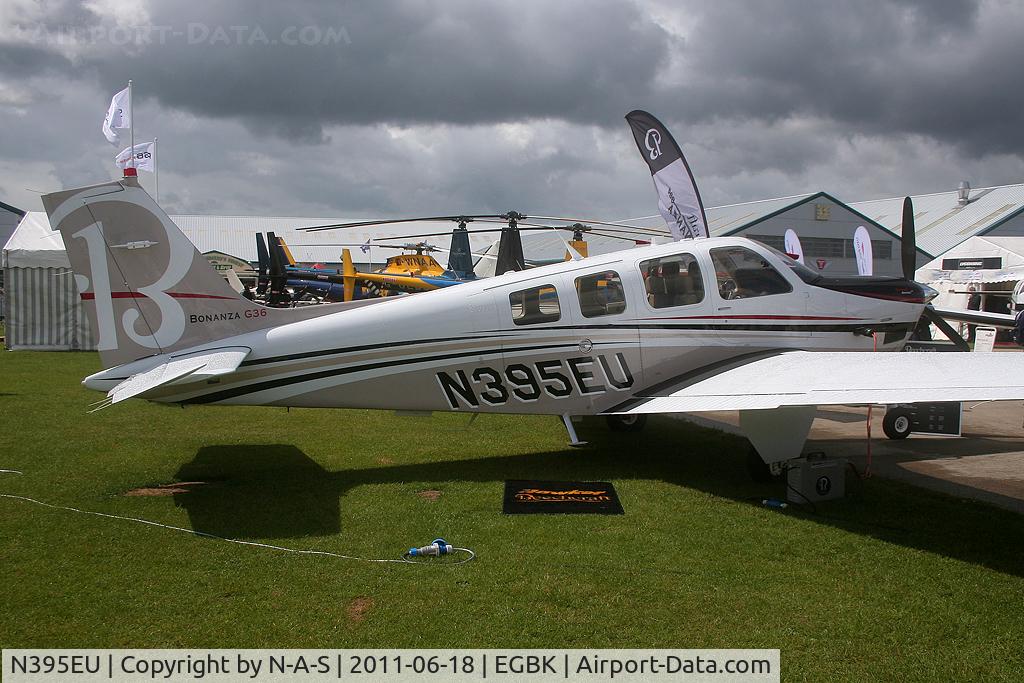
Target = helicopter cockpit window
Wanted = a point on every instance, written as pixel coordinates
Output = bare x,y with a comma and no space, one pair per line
673,281
744,274
600,294
535,305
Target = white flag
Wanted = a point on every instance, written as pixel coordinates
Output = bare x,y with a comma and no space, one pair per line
119,115
144,154
792,245
862,250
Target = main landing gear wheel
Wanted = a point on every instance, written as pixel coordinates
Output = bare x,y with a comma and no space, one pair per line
896,423
626,423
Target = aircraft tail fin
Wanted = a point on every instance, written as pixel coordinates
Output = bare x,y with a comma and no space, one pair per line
348,270
147,290
286,253
263,259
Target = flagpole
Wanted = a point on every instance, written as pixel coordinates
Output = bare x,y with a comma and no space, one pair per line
131,127
156,168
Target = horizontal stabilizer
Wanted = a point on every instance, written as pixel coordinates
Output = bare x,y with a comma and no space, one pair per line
803,378
196,367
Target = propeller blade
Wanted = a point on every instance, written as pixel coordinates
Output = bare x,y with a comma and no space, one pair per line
908,238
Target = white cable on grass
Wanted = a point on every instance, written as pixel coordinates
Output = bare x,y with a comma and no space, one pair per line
12,471
204,534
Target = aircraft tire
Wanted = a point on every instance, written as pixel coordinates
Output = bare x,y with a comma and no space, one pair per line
896,423
626,423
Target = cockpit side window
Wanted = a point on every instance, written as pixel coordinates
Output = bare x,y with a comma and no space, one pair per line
673,281
535,305
744,274
600,294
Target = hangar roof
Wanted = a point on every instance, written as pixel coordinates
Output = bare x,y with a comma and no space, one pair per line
941,222
732,218
729,219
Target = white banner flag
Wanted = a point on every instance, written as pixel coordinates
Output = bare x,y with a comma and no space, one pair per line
862,249
144,154
792,245
678,198
119,115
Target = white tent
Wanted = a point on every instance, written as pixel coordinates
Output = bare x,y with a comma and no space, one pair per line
42,309
978,259
978,263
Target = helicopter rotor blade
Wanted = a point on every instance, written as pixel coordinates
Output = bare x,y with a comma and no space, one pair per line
389,221
646,232
590,221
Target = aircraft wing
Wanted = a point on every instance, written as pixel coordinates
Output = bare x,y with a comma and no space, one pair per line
1002,320
206,364
803,378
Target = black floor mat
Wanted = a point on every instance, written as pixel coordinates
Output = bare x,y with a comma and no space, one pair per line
524,497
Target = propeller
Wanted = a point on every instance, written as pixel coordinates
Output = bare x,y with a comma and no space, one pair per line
908,254
908,240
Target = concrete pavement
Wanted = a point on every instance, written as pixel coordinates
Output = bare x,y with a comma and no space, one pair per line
986,463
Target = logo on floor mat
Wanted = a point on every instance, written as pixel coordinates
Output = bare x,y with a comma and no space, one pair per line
526,497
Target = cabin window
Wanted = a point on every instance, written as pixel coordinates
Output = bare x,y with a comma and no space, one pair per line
600,294
673,281
744,274
535,305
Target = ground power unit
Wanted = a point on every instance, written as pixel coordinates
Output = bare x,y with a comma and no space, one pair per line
813,481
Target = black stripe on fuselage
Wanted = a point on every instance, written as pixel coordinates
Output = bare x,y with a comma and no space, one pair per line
364,347
692,376
745,327
235,392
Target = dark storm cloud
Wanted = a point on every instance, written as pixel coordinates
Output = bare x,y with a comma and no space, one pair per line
397,107
898,66
455,62
875,67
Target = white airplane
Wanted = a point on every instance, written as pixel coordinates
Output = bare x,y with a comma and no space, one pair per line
705,325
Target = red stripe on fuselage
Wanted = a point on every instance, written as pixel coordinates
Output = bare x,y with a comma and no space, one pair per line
88,296
752,317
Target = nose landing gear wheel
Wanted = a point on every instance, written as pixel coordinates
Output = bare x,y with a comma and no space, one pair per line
896,423
626,423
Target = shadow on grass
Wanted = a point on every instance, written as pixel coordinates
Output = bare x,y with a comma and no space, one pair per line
276,491
268,491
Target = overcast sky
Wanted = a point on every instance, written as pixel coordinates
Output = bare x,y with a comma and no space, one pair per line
322,108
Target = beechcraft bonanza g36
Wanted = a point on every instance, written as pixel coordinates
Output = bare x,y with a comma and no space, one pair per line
711,324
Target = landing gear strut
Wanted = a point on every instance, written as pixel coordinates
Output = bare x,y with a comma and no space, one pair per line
759,470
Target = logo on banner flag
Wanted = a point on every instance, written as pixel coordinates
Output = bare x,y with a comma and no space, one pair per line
653,142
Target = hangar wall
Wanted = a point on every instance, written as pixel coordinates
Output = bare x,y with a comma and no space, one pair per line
825,227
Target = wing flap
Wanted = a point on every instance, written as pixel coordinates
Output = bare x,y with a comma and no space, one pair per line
803,378
194,367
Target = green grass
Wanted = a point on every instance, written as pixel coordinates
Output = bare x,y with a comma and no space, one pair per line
891,583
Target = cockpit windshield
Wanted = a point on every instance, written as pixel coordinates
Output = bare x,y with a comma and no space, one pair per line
802,271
